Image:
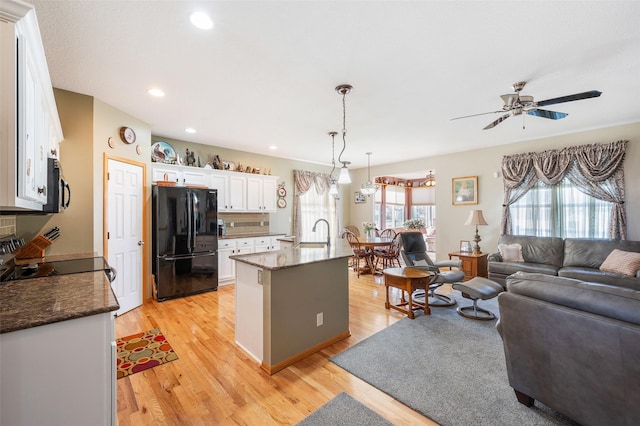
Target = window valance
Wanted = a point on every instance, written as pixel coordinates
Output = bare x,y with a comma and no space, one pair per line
596,169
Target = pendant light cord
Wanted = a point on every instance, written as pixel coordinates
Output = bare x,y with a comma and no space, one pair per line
344,125
333,154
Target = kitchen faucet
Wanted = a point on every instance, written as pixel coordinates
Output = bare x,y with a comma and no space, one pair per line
328,233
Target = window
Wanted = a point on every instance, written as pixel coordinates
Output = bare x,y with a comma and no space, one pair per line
393,207
314,206
560,211
423,205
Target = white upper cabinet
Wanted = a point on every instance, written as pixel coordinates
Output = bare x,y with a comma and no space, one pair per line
194,178
231,190
30,126
261,194
237,192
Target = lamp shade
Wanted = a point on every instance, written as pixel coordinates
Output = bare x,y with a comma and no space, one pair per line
344,175
333,190
476,218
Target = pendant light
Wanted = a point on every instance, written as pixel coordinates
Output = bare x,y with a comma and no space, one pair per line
333,188
430,181
369,187
344,177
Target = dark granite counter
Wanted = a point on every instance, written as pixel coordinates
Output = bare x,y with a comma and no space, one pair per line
289,258
40,301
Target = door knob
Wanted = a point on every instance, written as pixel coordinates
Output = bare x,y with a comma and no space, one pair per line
140,243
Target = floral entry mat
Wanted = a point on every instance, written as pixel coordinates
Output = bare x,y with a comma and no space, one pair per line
142,351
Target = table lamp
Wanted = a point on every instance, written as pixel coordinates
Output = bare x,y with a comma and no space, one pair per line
476,218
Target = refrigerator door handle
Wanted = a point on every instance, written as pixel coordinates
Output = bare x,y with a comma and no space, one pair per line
194,221
189,222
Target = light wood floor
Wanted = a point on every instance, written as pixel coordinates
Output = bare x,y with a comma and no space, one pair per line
215,383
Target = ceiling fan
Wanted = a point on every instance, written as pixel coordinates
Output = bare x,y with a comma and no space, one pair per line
516,104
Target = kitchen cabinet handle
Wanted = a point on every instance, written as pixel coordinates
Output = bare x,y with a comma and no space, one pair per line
42,190
140,243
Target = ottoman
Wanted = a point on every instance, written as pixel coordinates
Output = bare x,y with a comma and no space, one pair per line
477,288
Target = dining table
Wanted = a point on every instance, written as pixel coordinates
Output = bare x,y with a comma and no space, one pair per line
370,244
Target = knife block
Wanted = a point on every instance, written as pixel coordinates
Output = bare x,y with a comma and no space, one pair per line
33,251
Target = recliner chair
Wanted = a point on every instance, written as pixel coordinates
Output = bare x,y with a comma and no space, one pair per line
414,254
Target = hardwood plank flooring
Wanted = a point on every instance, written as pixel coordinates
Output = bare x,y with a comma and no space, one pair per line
215,383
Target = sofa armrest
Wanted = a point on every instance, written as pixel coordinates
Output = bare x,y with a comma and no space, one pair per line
494,257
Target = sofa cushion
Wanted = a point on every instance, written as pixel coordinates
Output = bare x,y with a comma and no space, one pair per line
511,252
508,268
545,250
598,276
622,262
601,299
590,253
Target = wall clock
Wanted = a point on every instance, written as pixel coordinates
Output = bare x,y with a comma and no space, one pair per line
127,135
111,143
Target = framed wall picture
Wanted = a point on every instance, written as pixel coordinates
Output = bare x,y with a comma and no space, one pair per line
465,190
360,198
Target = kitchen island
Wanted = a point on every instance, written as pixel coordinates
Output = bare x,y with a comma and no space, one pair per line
291,303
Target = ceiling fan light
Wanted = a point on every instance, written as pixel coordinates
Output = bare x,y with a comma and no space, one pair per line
333,189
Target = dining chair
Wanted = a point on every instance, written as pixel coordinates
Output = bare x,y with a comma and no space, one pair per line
359,253
389,256
388,233
353,229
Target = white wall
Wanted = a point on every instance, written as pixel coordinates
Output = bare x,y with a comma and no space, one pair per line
483,162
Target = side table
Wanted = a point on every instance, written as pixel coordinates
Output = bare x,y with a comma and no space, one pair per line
409,280
473,265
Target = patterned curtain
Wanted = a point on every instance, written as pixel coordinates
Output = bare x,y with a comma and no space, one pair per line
304,181
597,170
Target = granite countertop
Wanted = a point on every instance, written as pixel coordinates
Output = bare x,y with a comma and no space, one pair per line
292,257
40,301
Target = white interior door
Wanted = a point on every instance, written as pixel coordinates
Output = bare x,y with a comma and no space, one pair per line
124,231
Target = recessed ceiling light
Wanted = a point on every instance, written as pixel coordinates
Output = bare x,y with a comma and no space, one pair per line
156,92
201,20
190,130
273,147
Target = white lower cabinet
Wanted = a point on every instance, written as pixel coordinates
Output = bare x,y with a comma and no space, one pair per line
231,246
43,383
262,244
226,266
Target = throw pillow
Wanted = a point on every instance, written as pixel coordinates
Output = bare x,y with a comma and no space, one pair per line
622,262
420,262
511,252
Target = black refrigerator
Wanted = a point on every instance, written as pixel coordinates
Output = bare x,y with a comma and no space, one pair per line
185,241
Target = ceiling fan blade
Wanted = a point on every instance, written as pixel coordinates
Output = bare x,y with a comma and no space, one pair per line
475,115
554,115
498,121
570,98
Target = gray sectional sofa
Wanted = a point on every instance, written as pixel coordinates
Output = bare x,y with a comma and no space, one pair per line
571,257
574,346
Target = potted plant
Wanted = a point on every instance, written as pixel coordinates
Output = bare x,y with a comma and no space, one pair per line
414,224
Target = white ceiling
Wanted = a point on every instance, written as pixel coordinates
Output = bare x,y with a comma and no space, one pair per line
266,73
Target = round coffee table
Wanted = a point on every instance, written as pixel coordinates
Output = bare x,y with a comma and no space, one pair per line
409,280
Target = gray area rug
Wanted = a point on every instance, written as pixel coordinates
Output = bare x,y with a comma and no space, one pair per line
449,368
344,410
